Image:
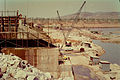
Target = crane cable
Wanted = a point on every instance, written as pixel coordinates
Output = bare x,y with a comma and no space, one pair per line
76,21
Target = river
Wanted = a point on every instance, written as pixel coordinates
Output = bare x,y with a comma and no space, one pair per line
112,50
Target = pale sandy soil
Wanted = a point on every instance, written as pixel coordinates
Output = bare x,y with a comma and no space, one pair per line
84,57
93,36
113,40
109,38
103,25
80,24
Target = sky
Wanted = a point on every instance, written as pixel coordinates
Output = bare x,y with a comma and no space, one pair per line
48,8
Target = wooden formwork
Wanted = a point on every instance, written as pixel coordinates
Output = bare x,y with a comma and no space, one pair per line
8,35
9,23
20,52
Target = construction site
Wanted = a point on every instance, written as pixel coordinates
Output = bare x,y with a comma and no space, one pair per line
52,49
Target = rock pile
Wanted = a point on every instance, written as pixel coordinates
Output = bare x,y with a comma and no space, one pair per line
14,68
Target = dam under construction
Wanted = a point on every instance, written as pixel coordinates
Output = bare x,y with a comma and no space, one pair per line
66,47
35,47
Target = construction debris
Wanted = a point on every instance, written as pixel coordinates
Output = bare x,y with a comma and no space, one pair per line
14,68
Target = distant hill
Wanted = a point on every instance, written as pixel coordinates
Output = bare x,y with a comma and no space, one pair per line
97,15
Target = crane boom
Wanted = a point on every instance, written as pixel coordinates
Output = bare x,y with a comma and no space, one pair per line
58,15
77,16
76,20
60,27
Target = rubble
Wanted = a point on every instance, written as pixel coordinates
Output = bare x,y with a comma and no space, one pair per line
14,68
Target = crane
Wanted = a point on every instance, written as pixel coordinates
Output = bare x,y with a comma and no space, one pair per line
58,16
60,27
76,19
78,13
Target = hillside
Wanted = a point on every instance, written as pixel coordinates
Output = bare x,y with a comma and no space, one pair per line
97,15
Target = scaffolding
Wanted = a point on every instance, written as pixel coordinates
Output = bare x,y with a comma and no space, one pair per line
12,35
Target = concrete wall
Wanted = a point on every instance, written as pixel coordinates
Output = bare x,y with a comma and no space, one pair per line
45,59
30,56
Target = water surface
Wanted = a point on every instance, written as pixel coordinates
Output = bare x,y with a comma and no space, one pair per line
112,50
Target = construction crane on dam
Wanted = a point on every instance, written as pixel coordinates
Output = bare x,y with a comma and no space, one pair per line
76,19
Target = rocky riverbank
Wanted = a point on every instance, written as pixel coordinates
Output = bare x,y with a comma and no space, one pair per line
113,40
78,38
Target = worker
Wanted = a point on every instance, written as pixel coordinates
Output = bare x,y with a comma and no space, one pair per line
20,21
65,57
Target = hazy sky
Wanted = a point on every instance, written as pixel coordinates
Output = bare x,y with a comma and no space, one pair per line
48,8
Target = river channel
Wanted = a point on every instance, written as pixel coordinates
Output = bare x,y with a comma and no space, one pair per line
112,50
